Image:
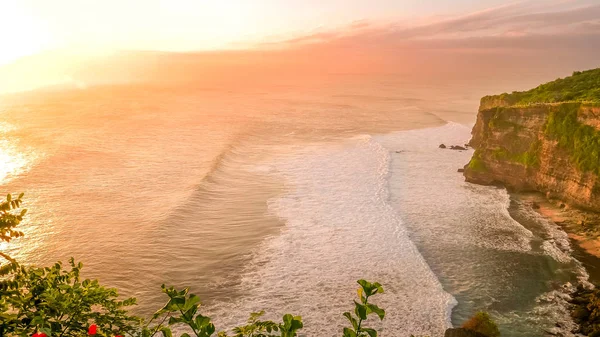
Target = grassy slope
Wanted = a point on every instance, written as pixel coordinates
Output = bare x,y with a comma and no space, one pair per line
582,86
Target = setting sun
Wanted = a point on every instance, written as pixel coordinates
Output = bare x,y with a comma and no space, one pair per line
21,34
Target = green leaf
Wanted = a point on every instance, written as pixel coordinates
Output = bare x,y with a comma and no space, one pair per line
166,332
352,320
374,308
366,286
174,320
360,310
349,332
191,301
202,321
210,329
371,332
379,287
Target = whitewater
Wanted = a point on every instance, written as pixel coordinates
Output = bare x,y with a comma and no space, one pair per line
392,208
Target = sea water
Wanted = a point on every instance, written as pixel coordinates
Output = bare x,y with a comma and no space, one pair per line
279,198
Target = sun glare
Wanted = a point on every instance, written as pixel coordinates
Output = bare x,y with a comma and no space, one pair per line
10,162
21,34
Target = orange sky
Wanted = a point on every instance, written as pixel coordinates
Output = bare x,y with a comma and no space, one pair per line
67,37
31,26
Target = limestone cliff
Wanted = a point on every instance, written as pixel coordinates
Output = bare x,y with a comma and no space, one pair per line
548,146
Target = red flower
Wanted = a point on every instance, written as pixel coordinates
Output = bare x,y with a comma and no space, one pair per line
118,336
39,334
93,329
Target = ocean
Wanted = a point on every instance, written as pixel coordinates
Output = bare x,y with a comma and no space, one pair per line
278,197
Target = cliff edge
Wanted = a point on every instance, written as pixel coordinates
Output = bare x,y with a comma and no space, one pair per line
546,139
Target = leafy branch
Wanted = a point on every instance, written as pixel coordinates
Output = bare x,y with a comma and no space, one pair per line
363,309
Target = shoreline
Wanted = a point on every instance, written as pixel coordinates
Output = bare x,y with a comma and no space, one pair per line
580,226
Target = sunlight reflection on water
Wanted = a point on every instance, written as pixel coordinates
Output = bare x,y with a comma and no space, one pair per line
11,161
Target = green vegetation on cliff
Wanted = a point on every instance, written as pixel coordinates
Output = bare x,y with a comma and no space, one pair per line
476,164
529,158
582,86
580,140
499,122
482,323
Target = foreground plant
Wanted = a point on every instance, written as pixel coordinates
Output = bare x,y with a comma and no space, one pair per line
10,217
55,302
182,310
363,309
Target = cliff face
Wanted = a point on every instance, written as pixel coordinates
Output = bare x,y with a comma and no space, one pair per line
553,148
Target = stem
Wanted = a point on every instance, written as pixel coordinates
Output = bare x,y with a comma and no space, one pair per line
69,321
194,330
5,256
159,325
360,318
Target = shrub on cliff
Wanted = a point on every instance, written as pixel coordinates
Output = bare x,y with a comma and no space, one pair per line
582,86
580,140
482,323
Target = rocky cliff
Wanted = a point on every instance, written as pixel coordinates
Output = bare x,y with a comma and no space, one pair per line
546,140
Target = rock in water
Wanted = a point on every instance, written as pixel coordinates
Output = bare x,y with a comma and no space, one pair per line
442,146
462,332
456,147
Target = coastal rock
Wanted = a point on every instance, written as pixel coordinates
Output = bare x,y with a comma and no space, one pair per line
461,170
462,332
456,147
442,146
544,147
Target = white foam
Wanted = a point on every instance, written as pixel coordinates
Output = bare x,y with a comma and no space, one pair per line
428,183
427,187
554,306
341,225
556,243
341,228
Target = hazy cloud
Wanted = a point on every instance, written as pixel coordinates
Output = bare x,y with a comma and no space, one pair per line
516,25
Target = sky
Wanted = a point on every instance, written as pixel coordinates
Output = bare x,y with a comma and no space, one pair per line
44,42
31,26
